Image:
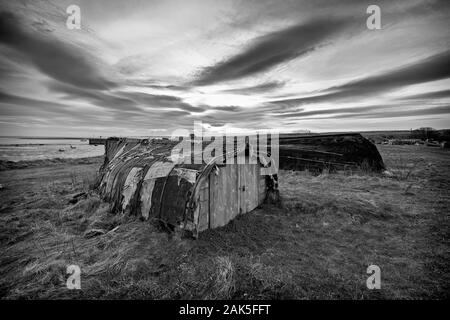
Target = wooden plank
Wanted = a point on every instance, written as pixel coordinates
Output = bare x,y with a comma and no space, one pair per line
236,189
211,197
223,196
238,185
203,205
252,186
241,186
248,187
262,187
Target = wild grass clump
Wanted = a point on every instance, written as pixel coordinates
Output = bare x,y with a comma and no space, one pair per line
224,278
82,181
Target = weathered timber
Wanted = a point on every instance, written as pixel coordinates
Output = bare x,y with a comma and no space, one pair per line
328,151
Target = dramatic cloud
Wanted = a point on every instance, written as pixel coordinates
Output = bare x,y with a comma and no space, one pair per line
99,98
441,110
434,68
429,95
374,111
145,68
272,49
161,101
261,88
227,108
59,60
13,105
348,110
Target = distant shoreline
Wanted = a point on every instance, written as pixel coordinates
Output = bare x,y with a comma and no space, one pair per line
25,164
366,132
43,138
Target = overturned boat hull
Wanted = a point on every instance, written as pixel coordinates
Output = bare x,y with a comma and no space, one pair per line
328,151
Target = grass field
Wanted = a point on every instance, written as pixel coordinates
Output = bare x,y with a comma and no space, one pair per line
316,245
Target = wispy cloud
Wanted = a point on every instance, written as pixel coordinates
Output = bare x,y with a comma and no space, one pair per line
372,111
436,67
272,49
260,88
429,111
441,94
241,64
57,59
161,101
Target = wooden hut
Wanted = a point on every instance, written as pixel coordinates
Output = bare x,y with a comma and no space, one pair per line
139,177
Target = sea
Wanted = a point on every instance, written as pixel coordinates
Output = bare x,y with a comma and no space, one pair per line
19,148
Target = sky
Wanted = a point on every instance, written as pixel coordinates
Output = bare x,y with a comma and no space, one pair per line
142,68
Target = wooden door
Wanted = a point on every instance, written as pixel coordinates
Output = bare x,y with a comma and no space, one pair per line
223,196
248,181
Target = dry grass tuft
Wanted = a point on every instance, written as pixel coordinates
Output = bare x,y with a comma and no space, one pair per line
224,280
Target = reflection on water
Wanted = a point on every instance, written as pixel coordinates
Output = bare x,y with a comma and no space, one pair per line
15,149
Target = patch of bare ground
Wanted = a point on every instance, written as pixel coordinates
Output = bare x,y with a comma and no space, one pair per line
317,245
